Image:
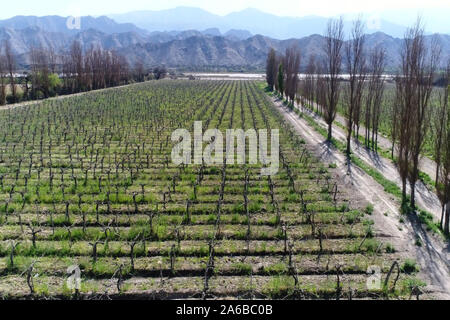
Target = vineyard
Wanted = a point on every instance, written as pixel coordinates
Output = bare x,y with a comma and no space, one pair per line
87,182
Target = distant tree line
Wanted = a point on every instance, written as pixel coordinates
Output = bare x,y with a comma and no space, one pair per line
74,71
323,89
282,72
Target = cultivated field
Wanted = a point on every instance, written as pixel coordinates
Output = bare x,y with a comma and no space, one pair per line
88,181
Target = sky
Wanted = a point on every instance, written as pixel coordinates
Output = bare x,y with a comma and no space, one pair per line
297,8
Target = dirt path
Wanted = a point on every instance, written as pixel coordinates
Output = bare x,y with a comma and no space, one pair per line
432,256
425,198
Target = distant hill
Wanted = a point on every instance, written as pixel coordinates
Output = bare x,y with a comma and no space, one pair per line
194,49
235,34
59,24
255,21
218,51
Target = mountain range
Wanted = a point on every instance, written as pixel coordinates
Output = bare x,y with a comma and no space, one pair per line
58,24
253,20
187,47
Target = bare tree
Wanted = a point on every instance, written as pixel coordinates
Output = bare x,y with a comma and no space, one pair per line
139,71
440,121
441,137
356,68
40,71
291,66
94,69
88,72
124,70
98,62
418,69
2,77
402,122
76,55
34,59
67,73
52,59
394,115
443,185
310,80
271,68
10,60
280,78
320,90
374,96
334,39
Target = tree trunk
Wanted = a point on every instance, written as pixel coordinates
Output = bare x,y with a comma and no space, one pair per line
437,170
413,195
349,139
403,190
330,133
447,218
413,179
375,148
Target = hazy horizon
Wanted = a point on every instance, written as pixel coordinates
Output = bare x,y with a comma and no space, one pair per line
434,12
